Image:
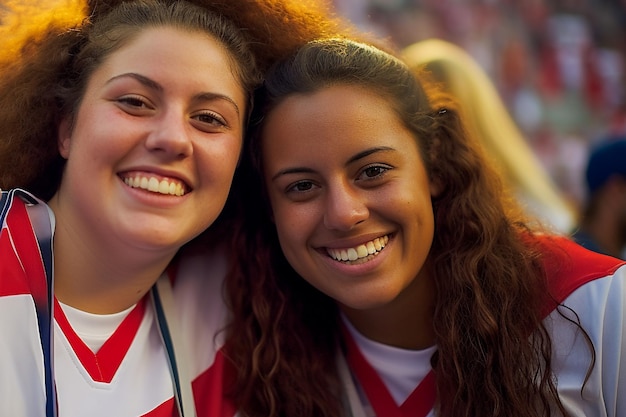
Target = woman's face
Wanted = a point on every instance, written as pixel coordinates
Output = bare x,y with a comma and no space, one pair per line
154,145
350,195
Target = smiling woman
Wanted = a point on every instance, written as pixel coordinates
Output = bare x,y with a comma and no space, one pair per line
388,274
150,95
176,125
321,191
125,128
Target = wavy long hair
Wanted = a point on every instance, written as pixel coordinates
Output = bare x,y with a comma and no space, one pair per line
494,353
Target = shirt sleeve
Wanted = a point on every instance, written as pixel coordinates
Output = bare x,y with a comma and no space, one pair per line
588,387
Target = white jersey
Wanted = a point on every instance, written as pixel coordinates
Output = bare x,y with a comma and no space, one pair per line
595,289
129,376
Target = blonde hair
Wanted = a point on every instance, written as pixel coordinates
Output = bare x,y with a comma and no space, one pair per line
488,118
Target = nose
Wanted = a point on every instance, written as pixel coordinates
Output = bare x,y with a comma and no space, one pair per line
345,208
170,135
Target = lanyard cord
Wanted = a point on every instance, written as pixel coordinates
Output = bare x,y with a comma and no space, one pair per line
42,222
162,301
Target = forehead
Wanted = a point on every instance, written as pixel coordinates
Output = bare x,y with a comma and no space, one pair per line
339,100
176,54
337,110
339,117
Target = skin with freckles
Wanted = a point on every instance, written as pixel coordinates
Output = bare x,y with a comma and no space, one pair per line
178,126
353,179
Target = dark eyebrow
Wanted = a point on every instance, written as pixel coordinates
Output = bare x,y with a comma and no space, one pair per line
143,80
360,155
217,96
158,87
368,152
294,170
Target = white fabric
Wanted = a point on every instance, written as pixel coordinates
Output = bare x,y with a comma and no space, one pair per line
142,383
400,369
93,329
143,380
601,308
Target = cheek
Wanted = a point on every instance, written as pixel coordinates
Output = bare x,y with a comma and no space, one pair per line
413,209
291,227
220,160
96,149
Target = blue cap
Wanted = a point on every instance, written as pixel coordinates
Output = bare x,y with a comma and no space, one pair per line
606,160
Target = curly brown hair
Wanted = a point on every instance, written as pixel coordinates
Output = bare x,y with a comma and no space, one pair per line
44,67
494,353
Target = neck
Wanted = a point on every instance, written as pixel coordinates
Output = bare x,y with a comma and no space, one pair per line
101,293
406,322
102,280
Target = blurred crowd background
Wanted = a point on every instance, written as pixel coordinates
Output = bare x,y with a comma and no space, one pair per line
559,65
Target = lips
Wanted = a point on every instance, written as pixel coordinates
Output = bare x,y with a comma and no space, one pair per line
371,248
166,186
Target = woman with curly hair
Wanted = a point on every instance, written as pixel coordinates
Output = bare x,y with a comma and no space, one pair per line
125,127
391,275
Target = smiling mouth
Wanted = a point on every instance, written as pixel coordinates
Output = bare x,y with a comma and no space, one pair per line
152,184
360,253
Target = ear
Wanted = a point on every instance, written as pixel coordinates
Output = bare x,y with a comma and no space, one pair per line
64,137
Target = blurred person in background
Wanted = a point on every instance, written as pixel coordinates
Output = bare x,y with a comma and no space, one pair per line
489,119
603,222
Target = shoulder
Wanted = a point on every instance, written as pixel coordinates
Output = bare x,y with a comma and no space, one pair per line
26,227
200,274
588,293
589,347
569,266
20,210
201,304
199,263
7,197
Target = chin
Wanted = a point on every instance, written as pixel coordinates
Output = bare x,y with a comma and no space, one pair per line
370,303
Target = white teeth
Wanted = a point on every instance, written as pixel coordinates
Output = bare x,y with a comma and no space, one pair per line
164,187
168,187
153,185
362,251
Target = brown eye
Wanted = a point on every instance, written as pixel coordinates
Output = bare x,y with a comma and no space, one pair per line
373,172
210,118
301,186
132,101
